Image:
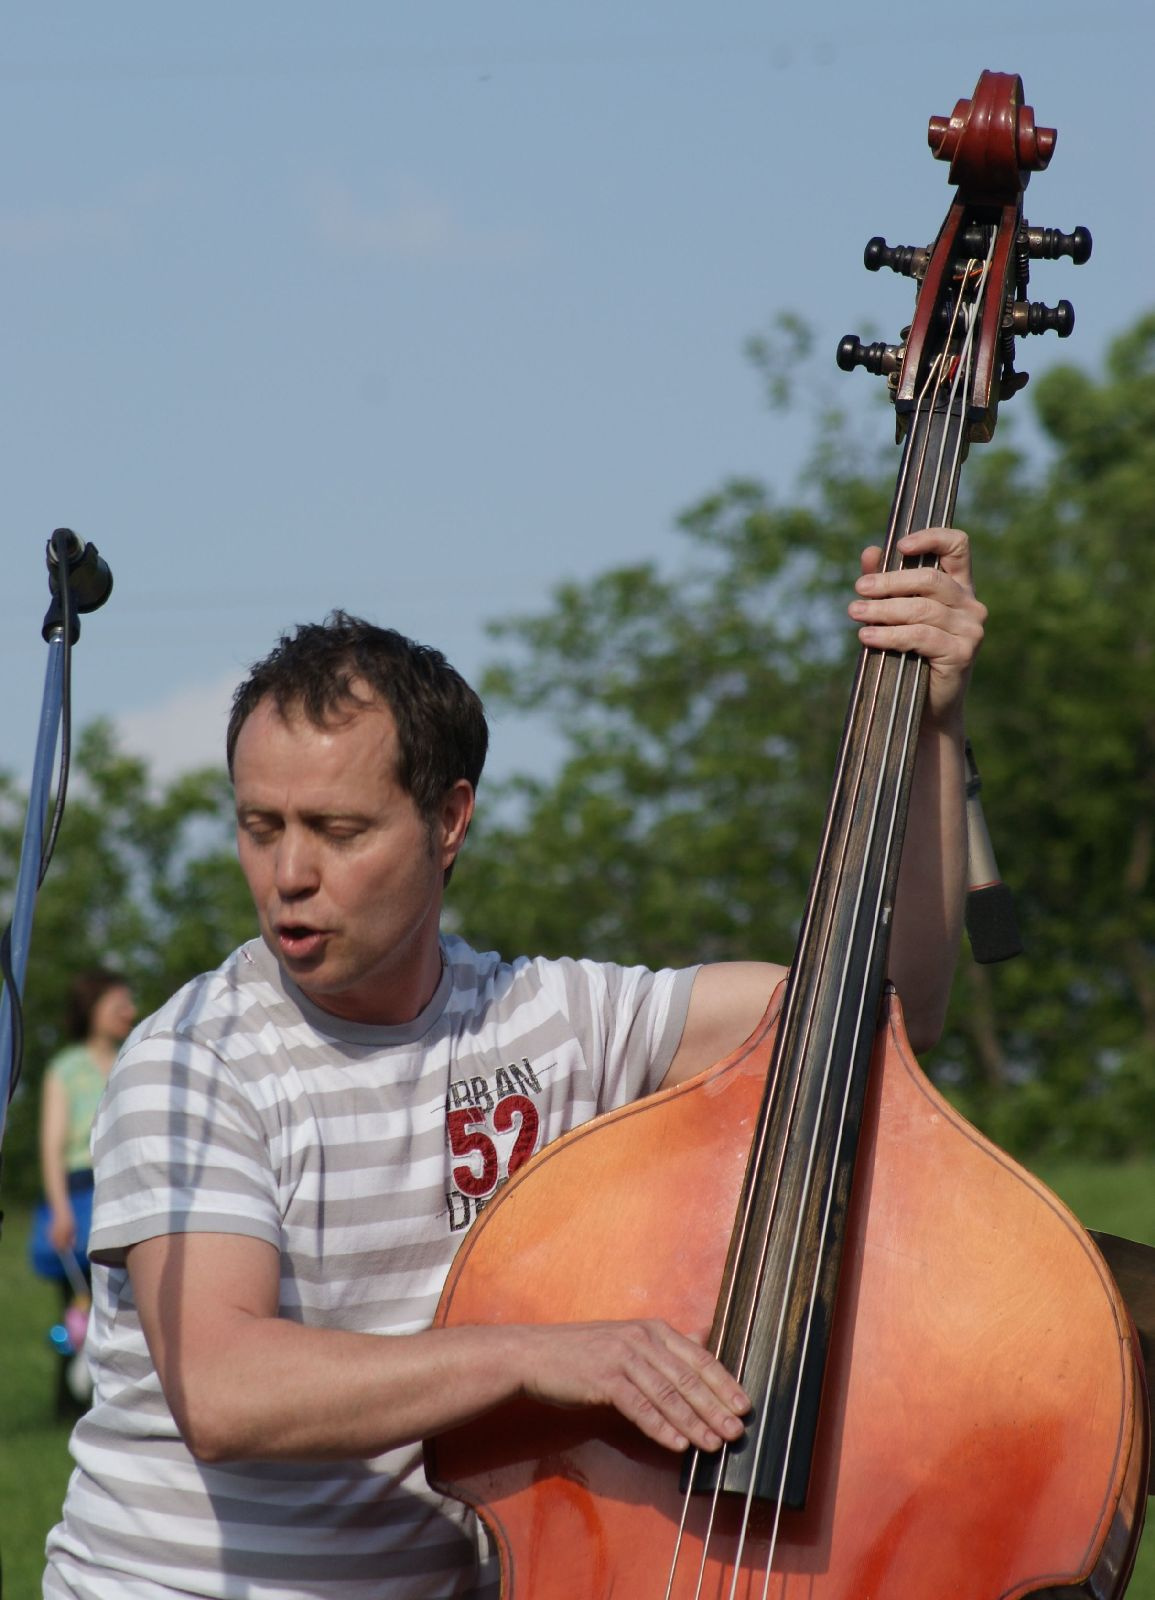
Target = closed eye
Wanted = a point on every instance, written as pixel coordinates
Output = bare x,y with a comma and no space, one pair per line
336,827
259,829
340,835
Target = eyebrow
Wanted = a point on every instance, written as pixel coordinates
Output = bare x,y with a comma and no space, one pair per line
252,809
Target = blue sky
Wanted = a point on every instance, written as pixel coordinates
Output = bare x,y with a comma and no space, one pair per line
417,310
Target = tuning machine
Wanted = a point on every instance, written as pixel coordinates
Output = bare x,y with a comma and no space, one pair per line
1048,244
1044,244
1032,316
907,259
910,260
883,360
1021,316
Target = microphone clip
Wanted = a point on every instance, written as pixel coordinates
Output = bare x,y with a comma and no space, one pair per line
77,566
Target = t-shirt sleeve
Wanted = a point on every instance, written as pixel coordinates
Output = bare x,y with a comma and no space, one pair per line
177,1148
630,1021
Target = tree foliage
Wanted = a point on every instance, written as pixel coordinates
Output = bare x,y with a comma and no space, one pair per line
141,880
1059,1047
700,712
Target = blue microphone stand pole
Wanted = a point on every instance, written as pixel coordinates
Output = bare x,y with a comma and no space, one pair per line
80,581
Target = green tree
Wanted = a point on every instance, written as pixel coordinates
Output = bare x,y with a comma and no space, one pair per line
1058,1048
700,712
142,879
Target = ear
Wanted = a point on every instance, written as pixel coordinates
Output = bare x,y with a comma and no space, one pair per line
454,818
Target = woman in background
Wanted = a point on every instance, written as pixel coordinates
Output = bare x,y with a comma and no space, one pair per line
101,1014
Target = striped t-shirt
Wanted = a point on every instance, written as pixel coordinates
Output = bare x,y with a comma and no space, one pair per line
363,1154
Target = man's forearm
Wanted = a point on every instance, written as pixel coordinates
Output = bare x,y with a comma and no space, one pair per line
275,1390
246,1384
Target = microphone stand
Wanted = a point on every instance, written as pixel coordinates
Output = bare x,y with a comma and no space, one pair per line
79,581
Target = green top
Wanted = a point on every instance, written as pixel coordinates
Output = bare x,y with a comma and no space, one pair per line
83,1083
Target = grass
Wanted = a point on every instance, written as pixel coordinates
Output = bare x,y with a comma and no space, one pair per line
34,1463
1114,1199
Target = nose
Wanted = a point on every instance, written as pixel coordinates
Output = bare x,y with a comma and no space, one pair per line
296,868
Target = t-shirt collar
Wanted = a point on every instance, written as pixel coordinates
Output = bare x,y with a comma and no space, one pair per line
262,958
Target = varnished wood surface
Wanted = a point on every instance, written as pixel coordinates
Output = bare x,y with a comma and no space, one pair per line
981,1370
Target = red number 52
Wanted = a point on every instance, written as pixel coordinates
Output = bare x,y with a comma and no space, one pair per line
467,1140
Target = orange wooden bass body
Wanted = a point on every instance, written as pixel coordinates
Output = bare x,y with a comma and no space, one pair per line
982,1430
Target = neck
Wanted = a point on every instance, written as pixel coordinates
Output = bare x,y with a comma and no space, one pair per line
103,1051
394,998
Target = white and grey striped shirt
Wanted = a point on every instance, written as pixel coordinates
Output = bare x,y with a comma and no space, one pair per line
362,1154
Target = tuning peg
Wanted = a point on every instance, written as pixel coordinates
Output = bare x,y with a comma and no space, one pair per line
1050,243
881,359
1032,316
908,259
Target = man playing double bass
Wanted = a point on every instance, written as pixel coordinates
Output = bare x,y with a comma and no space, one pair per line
284,1148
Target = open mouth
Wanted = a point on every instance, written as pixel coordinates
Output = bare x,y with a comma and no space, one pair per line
299,941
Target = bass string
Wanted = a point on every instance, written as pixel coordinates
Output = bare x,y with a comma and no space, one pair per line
910,666
805,940
944,484
746,1220
940,507
805,956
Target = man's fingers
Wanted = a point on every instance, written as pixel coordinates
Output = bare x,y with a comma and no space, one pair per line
928,607
666,1384
950,547
686,1393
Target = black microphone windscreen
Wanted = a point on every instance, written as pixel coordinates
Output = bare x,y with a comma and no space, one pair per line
992,926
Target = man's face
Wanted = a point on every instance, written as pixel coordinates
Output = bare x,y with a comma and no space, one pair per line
345,873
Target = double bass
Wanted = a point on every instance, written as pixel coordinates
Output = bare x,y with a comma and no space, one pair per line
947,1397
